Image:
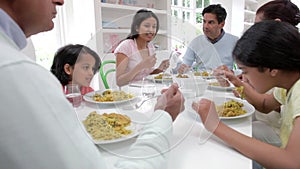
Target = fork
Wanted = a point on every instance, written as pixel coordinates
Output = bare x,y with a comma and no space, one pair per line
139,104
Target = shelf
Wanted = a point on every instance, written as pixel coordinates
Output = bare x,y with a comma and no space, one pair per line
248,23
251,1
250,7
248,12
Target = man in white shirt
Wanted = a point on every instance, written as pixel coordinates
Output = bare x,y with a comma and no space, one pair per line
38,126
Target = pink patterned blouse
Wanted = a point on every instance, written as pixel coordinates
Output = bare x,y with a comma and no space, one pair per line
129,48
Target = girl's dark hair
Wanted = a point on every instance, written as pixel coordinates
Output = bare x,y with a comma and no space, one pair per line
138,18
269,44
69,55
218,10
284,10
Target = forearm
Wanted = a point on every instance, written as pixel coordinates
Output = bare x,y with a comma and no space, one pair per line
258,100
255,99
267,155
124,79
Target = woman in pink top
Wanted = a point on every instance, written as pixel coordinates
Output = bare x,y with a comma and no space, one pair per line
136,54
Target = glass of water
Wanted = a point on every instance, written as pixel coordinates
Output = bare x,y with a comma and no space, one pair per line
167,79
148,90
73,94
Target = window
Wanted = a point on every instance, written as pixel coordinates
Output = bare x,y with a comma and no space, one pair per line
175,13
186,15
199,17
175,2
186,12
202,3
198,3
186,3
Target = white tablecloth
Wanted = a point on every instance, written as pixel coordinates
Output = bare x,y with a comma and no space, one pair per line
192,146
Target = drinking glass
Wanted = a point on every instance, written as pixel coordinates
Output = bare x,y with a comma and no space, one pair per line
148,90
73,94
167,79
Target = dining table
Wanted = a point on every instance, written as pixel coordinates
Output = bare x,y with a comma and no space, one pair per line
192,146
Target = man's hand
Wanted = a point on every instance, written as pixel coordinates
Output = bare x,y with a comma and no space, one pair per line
183,68
171,101
164,65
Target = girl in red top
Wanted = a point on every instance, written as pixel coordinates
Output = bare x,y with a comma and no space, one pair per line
76,64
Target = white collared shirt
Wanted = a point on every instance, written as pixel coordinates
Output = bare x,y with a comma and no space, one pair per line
12,30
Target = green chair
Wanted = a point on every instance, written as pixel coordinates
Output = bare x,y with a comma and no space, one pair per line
103,74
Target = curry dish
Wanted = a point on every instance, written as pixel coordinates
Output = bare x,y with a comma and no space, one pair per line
230,109
204,73
111,96
182,76
107,126
160,76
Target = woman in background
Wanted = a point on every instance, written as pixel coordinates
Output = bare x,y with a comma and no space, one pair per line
76,64
135,55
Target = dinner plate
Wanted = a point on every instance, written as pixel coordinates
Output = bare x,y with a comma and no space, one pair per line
219,101
89,98
220,88
205,77
247,106
140,83
199,74
138,120
151,78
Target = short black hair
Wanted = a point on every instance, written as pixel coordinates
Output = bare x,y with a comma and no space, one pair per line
216,9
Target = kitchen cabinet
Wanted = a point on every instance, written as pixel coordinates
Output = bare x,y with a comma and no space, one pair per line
250,8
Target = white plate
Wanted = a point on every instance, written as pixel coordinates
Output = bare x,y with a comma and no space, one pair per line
219,101
137,122
206,77
141,83
220,88
151,78
89,98
247,106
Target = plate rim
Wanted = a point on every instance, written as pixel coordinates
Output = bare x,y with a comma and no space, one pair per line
88,98
228,118
138,129
151,77
123,138
245,102
221,88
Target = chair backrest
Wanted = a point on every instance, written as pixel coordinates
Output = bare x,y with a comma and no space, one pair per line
103,74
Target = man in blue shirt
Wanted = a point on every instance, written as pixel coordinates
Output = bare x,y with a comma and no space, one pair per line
212,49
